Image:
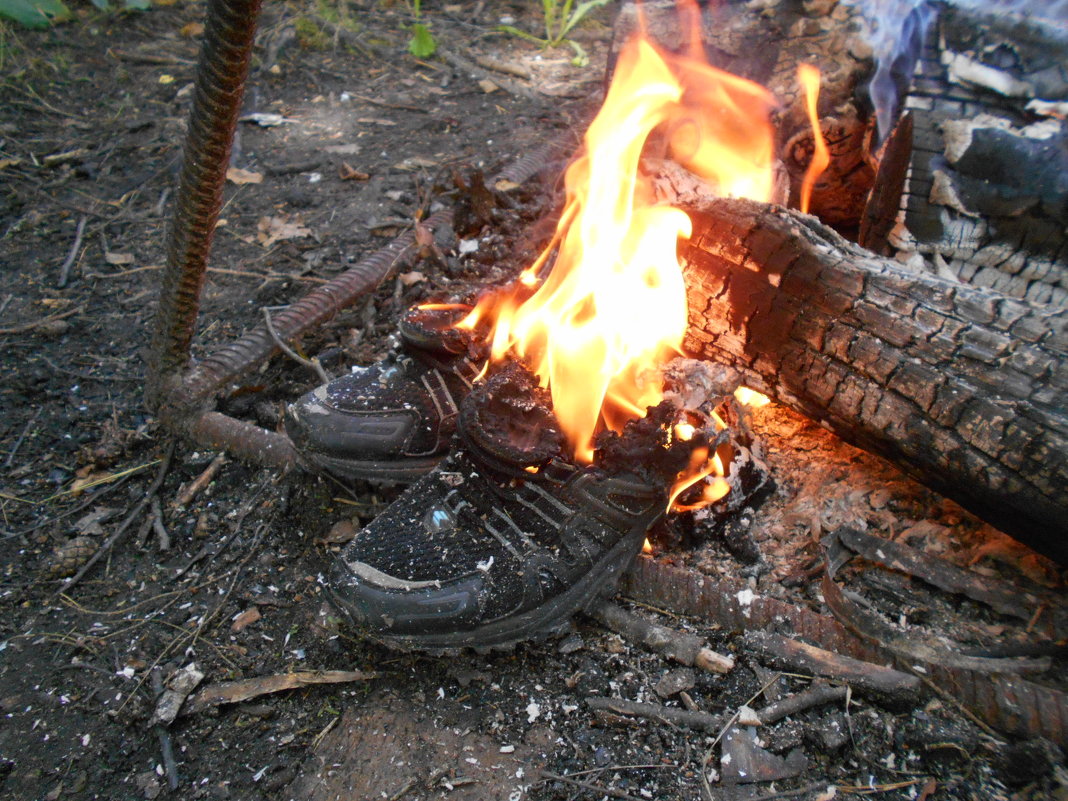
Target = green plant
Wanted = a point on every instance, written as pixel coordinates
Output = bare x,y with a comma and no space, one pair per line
42,13
34,13
422,44
560,19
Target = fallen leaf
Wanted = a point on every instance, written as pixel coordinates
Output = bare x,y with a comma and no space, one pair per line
246,618
504,185
239,176
191,29
118,258
346,172
414,277
166,79
341,532
5,163
275,229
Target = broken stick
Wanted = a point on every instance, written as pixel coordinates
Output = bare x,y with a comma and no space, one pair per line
891,687
689,649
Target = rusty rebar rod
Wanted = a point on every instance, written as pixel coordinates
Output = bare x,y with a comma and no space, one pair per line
229,31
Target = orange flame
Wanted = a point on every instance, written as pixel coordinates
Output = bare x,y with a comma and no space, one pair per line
809,78
614,305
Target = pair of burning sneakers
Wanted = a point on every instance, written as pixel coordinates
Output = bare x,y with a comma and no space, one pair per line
502,537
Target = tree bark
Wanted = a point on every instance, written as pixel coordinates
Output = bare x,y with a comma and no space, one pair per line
962,387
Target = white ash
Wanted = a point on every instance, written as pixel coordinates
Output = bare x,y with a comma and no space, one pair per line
697,384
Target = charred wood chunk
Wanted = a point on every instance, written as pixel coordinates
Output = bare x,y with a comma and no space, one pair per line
986,197
961,387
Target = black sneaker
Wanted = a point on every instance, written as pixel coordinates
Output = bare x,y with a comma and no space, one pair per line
392,421
506,539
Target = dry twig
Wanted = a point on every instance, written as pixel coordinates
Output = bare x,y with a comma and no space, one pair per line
186,496
312,363
64,270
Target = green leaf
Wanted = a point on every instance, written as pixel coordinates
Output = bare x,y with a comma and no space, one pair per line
581,11
103,5
512,30
580,58
139,5
422,44
34,13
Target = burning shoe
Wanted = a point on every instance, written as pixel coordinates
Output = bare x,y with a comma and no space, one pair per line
507,538
393,420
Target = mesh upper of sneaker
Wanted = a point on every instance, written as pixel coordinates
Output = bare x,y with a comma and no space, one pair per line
526,539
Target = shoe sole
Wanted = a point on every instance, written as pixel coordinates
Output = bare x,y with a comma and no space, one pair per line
540,623
401,471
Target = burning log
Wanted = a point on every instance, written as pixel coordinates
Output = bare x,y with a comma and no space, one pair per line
765,43
961,387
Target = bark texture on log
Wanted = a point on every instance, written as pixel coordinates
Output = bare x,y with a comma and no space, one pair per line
962,387
987,193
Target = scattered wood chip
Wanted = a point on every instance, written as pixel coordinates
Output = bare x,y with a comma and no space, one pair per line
191,29
743,761
239,176
5,163
181,684
412,278
266,119
233,692
488,86
275,229
118,259
244,619
346,172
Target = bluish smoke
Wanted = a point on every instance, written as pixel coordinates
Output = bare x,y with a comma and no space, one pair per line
899,27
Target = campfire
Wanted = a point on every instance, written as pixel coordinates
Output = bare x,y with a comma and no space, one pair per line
681,247
600,314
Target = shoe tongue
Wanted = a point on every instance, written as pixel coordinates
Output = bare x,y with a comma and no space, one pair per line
509,418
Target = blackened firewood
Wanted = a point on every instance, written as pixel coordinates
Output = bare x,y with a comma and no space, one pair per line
961,387
987,197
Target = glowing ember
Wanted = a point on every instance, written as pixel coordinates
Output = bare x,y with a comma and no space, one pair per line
809,77
614,304
750,397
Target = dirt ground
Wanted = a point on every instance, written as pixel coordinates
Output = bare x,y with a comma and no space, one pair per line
228,576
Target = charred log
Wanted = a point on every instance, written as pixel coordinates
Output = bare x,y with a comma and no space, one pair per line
987,194
961,387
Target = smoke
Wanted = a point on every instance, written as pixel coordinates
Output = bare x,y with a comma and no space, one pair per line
897,31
